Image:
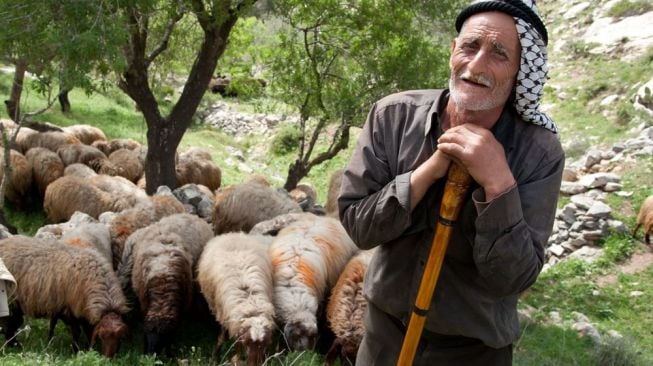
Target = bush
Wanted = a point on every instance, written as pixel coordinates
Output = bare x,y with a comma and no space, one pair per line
627,8
285,140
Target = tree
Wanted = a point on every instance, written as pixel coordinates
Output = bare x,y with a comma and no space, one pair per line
216,19
335,58
65,43
130,39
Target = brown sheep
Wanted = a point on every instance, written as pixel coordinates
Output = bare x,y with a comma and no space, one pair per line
161,261
51,140
240,207
69,193
19,188
92,195
128,162
79,153
76,285
645,218
21,138
197,166
346,307
107,147
142,215
46,167
87,134
334,190
79,171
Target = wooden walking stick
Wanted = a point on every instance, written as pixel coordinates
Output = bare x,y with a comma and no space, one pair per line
458,181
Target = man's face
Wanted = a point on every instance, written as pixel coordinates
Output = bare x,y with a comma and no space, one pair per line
484,61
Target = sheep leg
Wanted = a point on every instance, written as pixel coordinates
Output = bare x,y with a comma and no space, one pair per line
333,353
52,327
647,238
74,327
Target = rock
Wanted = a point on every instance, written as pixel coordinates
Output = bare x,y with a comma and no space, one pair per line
572,188
587,253
600,210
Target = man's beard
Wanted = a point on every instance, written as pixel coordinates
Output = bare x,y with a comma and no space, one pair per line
498,94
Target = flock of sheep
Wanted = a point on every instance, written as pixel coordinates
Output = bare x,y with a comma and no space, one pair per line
267,263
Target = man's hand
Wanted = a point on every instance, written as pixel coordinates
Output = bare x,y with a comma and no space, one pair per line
476,149
426,174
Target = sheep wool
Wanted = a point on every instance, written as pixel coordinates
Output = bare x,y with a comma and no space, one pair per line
240,207
160,260
87,134
307,259
46,167
53,280
128,221
645,218
235,276
346,307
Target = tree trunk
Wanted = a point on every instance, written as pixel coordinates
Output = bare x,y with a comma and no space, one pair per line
296,172
160,159
64,101
13,104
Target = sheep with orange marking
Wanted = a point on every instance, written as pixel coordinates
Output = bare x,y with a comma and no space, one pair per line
345,309
75,284
307,259
128,221
235,275
46,167
87,134
241,206
160,261
93,236
645,218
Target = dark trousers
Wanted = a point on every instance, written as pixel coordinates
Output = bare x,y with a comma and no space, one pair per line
384,336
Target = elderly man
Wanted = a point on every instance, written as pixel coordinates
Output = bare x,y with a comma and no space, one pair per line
488,121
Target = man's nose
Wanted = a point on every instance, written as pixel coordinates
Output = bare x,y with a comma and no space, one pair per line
478,62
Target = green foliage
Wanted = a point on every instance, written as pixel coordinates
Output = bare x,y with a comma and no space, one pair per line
286,139
542,345
63,41
617,247
627,8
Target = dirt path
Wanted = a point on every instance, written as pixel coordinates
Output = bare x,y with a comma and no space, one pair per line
638,262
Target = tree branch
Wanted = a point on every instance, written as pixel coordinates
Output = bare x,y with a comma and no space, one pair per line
164,40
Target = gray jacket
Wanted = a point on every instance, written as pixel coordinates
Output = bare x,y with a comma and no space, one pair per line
496,249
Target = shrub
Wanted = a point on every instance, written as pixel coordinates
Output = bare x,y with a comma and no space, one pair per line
627,8
285,140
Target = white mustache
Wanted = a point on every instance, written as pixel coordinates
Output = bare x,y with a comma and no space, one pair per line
478,79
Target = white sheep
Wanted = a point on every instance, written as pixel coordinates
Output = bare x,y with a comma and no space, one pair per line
235,275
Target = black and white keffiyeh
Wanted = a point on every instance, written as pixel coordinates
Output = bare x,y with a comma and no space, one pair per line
533,71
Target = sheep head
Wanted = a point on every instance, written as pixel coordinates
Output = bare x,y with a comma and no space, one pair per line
110,330
300,335
256,337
